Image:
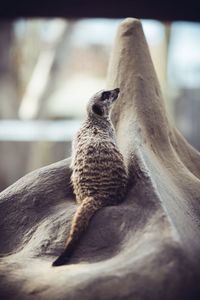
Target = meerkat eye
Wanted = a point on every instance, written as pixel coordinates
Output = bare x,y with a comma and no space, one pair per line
105,95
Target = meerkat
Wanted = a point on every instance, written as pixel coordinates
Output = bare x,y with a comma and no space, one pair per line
99,176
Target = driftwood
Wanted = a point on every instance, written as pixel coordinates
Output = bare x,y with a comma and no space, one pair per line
146,248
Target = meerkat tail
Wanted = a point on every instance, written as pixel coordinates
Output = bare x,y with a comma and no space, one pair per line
79,224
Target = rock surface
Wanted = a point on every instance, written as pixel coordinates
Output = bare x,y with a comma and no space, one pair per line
146,248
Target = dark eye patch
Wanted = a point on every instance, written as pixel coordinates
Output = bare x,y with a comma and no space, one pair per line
105,95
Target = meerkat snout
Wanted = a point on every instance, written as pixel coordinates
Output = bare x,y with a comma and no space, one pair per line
114,94
110,95
117,91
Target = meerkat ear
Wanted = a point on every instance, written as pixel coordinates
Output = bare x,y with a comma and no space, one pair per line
97,109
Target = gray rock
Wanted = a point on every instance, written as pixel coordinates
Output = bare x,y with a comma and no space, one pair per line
146,248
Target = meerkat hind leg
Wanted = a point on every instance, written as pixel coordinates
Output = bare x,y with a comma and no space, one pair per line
79,224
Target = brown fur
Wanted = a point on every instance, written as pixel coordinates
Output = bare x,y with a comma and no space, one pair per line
99,175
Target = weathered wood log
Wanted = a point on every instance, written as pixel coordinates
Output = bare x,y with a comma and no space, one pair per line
146,248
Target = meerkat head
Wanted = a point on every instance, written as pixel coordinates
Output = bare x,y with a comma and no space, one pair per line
100,104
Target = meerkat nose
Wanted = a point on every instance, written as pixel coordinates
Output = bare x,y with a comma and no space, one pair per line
114,94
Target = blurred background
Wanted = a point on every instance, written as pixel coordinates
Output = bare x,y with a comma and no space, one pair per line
49,68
